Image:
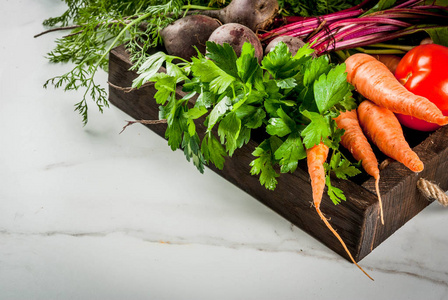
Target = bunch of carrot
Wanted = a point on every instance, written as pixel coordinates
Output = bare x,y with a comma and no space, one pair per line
373,120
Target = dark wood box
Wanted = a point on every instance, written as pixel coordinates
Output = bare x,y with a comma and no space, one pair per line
356,220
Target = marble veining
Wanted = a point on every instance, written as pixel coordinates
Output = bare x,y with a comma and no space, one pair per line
407,267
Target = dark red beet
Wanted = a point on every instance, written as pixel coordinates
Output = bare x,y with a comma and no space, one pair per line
293,43
194,30
255,14
236,35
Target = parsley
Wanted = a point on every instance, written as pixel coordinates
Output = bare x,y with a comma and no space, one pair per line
264,164
294,99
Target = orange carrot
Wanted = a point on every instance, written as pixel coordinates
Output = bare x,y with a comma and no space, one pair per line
316,157
389,60
356,142
381,126
375,82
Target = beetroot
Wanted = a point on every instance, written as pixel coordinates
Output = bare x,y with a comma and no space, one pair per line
193,30
293,43
236,35
255,14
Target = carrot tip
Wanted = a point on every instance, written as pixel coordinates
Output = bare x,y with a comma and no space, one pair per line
321,215
442,121
377,187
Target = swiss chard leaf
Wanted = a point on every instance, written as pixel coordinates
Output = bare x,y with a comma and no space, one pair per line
381,5
439,35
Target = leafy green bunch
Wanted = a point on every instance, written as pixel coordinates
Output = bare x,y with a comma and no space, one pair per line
292,99
96,26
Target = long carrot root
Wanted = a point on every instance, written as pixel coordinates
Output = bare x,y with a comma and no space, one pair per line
377,188
340,240
316,157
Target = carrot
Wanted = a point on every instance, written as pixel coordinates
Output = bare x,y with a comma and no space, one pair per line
375,82
316,157
356,142
389,60
381,126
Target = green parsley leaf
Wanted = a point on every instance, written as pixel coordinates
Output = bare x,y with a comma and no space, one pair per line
280,63
341,167
174,134
228,131
223,56
149,68
264,164
218,111
348,103
205,99
190,144
209,72
175,71
243,136
213,150
247,64
196,112
287,83
251,116
304,53
331,88
336,194
165,86
278,127
316,130
290,152
315,68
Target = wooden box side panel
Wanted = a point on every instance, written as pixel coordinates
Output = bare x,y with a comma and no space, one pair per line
400,196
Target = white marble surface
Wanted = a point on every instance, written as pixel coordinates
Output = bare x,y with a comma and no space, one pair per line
86,213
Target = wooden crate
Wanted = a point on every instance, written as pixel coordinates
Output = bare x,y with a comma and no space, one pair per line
356,220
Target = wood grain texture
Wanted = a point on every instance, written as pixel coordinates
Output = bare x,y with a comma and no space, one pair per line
356,220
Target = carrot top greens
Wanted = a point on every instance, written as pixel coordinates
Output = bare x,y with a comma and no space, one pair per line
292,98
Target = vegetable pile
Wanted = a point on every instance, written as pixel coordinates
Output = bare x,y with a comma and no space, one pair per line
302,85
